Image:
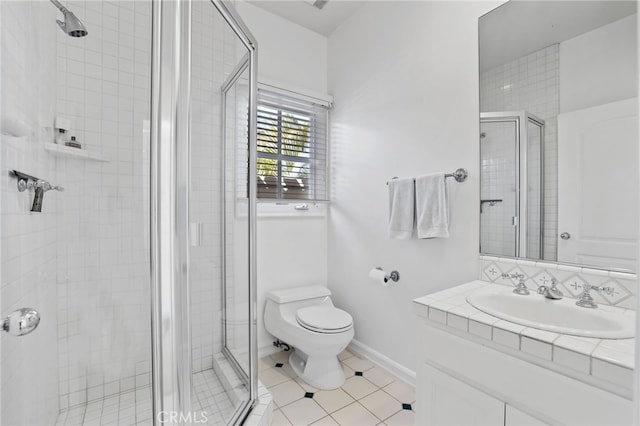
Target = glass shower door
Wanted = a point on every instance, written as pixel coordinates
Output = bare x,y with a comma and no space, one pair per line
512,184
219,217
499,194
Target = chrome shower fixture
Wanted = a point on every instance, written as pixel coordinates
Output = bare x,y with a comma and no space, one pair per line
71,24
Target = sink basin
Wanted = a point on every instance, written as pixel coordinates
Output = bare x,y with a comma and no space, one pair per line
558,316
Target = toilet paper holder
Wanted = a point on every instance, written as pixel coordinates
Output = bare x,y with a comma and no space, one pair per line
393,275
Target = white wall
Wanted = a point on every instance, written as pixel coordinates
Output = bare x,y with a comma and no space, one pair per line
28,240
287,52
406,104
593,73
292,251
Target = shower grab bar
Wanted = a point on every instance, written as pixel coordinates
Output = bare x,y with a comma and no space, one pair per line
26,181
459,175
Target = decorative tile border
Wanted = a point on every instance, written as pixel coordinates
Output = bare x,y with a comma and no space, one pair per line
571,279
608,360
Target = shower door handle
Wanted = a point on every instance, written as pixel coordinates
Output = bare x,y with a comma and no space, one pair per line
565,235
21,322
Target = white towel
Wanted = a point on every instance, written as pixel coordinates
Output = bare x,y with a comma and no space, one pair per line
401,208
432,206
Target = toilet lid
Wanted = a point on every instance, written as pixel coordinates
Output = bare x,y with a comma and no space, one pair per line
324,319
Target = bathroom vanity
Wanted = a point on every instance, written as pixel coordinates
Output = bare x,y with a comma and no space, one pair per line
476,369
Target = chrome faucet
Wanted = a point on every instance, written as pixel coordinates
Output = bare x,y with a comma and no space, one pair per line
521,287
552,292
586,301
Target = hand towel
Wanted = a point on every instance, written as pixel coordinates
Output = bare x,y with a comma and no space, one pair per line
432,206
401,208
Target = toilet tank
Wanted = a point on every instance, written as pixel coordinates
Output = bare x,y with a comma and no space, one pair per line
298,294
282,305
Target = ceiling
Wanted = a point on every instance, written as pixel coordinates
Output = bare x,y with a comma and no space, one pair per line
518,28
323,21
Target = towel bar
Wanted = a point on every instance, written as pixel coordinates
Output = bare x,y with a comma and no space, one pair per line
459,175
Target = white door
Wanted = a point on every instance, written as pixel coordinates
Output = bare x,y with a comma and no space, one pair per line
598,185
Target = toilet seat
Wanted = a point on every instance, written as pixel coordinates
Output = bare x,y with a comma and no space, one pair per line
324,319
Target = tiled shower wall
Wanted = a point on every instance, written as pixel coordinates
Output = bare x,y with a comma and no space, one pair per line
83,261
103,85
28,240
531,83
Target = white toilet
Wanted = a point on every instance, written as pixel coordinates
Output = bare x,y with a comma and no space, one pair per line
305,318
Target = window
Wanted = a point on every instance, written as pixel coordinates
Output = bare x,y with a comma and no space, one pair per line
292,147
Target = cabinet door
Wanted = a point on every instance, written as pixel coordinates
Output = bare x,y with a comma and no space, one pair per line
444,400
515,417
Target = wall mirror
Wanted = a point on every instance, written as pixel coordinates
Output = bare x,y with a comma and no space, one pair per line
559,132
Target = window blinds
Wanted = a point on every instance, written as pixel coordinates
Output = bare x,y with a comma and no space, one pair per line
292,147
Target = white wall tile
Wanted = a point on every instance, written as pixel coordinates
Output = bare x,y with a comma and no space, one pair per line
573,360
535,347
506,338
28,240
104,216
612,373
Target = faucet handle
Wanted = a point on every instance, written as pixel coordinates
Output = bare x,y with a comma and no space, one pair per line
46,186
600,289
514,275
586,300
521,287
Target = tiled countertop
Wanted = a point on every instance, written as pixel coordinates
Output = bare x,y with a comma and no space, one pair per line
605,359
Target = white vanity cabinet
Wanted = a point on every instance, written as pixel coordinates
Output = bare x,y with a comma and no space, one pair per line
445,400
448,401
462,381
515,417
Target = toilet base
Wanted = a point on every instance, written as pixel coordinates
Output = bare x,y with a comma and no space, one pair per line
324,373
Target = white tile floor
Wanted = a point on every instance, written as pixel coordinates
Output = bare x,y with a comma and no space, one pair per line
370,395
134,407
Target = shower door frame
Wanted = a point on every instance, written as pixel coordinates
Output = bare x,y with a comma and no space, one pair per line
234,76
170,100
521,119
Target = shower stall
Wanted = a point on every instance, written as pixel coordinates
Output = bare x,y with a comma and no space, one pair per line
141,266
512,184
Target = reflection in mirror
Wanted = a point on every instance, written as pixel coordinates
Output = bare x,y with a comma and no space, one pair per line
558,132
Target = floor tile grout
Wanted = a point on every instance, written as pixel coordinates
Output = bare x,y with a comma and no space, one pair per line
365,365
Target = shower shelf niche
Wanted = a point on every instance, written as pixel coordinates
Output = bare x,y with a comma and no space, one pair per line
69,152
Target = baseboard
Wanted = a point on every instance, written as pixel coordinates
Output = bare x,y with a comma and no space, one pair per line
267,350
383,361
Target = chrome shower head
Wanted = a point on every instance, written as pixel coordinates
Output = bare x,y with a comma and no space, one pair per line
71,24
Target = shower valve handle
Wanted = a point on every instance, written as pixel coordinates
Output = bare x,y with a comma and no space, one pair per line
46,186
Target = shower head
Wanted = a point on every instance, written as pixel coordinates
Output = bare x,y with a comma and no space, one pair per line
71,24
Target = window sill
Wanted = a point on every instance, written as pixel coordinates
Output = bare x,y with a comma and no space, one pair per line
292,210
